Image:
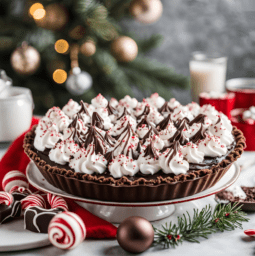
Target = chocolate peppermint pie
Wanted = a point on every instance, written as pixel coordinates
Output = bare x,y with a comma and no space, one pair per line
130,151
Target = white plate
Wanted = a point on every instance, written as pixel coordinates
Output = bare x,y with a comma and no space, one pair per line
13,237
117,211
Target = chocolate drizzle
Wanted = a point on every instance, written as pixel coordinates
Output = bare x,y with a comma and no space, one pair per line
143,121
109,139
174,148
94,137
83,110
165,108
164,123
200,135
198,119
125,113
111,110
97,120
179,134
152,131
125,137
151,151
182,123
145,112
76,135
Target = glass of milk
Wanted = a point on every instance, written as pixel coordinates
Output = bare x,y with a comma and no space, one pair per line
207,73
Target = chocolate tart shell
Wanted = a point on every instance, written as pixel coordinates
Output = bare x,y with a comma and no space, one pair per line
140,190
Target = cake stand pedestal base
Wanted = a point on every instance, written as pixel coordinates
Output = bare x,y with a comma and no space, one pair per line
116,214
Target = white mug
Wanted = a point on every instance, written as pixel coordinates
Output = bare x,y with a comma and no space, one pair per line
16,110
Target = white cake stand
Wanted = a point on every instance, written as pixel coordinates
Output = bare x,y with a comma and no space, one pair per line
115,212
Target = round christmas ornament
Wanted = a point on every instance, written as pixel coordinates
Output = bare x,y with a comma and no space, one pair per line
56,17
14,178
79,82
25,60
135,234
88,48
124,49
146,11
66,230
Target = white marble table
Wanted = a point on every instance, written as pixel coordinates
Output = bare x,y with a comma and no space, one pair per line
228,243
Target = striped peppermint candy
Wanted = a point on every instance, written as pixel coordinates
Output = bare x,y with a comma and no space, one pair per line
6,198
14,178
21,190
33,200
66,230
57,202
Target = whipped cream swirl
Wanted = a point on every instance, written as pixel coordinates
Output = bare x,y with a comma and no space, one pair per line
71,108
212,146
123,165
62,151
47,138
171,161
191,153
87,161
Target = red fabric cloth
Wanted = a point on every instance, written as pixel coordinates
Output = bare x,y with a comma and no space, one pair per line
16,159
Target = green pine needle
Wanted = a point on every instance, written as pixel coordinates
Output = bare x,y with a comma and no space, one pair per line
202,224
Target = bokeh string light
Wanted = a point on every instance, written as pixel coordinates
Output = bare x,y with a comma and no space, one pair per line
37,11
35,7
59,76
61,46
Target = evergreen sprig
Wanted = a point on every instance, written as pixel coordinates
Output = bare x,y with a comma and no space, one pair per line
202,224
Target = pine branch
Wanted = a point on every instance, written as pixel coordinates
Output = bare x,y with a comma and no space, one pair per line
95,16
202,224
148,44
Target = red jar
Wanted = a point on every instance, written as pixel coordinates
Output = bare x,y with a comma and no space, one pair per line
244,89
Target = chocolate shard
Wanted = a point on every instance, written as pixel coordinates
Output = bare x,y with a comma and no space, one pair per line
8,212
37,219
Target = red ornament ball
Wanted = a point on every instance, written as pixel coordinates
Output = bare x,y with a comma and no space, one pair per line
135,234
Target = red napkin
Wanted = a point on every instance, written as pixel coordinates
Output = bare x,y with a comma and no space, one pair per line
16,159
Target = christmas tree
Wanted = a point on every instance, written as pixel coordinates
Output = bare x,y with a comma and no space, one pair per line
76,49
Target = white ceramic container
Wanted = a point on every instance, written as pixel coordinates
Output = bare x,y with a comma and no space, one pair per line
16,109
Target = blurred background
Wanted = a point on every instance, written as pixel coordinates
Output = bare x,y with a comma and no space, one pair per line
123,46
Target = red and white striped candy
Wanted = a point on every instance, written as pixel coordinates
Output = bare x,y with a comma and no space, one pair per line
33,200
14,178
21,190
6,198
66,230
57,202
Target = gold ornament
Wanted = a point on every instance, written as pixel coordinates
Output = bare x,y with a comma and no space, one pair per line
25,60
124,49
56,17
88,48
146,11
77,32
